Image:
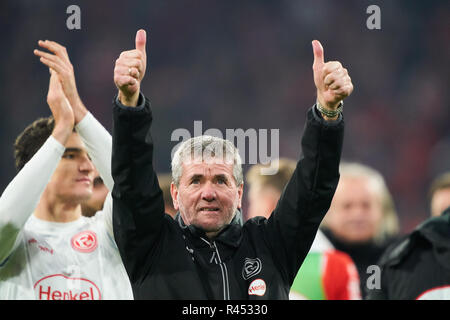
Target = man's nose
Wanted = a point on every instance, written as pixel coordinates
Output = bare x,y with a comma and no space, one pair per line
86,164
208,192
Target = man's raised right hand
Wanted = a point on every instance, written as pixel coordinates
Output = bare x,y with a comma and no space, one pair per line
129,71
61,109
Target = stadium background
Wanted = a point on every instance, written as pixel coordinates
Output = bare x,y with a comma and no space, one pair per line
247,64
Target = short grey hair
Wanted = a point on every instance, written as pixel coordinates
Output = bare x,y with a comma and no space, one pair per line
203,149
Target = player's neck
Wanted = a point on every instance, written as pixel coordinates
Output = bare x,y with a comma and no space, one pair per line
57,210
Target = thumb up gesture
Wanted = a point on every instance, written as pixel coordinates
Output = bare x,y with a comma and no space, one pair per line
130,69
331,79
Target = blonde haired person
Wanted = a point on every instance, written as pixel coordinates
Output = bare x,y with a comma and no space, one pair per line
439,194
362,219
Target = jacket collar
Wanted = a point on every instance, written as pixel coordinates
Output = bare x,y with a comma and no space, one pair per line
230,235
437,229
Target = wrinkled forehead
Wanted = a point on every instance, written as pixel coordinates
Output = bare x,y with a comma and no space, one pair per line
206,167
213,153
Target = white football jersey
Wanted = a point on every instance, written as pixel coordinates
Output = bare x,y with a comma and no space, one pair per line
77,260
44,260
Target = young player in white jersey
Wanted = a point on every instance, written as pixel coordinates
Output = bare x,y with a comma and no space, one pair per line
48,250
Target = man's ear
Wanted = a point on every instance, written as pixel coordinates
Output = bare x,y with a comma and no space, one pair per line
240,194
174,193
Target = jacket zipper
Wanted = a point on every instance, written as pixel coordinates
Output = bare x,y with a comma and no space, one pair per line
223,268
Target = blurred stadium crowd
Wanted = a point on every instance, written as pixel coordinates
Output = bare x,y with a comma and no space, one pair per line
247,64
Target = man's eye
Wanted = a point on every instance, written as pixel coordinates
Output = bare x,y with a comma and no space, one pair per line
195,181
221,181
69,156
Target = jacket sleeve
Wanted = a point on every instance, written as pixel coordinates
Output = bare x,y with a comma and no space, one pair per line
138,205
307,196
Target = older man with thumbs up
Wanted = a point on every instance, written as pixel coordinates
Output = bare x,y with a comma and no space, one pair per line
206,252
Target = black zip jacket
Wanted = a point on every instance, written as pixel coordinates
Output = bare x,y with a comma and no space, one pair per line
165,259
417,266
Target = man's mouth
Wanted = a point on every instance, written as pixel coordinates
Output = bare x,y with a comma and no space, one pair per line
87,180
210,209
